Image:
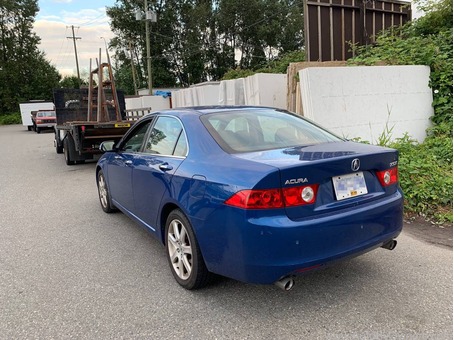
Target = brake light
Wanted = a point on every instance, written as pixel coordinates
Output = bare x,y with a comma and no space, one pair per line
274,198
295,196
256,199
388,177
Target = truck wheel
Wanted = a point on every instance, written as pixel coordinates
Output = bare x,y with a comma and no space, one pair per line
38,130
58,147
68,146
58,143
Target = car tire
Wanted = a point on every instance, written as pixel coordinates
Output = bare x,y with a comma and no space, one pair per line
68,148
104,194
38,130
183,253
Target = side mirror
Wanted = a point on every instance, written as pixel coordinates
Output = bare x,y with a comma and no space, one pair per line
107,146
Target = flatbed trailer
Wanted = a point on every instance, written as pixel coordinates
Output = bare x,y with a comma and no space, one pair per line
78,133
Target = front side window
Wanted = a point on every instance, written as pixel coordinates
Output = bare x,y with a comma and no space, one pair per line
136,138
167,138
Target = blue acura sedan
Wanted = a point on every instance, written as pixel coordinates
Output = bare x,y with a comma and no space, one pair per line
255,194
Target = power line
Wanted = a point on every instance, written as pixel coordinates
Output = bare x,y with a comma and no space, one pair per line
65,55
61,46
74,38
94,20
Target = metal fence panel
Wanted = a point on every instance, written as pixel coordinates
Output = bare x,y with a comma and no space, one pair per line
332,25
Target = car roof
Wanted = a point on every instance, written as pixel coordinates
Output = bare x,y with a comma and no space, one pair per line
202,110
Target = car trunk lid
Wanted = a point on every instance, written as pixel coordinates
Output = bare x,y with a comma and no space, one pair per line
342,174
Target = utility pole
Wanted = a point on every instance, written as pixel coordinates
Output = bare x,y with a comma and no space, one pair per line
133,69
74,38
147,38
150,16
107,49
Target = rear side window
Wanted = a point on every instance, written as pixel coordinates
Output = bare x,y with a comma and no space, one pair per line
263,129
167,138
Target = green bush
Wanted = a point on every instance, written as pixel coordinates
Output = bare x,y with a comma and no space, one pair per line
425,169
237,73
9,119
425,175
277,65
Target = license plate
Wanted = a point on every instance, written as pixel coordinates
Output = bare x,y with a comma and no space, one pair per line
350,185
122,125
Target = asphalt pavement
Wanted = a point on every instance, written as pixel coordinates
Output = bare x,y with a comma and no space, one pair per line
70,271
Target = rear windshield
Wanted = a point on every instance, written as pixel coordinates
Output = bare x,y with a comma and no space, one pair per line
263,129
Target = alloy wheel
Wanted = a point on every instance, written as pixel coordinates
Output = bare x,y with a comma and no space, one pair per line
180,250
102,190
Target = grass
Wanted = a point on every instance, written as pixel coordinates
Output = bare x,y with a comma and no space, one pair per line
11,118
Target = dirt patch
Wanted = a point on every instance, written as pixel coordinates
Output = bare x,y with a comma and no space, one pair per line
427,231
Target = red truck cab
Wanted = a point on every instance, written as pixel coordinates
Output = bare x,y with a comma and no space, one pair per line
43,119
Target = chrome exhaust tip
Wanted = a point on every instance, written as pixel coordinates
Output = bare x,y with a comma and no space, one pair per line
286,283
390,245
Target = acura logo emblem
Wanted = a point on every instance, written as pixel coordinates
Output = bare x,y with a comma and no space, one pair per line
356,164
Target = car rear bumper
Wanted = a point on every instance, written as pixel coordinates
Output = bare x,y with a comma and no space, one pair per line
264,249
45,125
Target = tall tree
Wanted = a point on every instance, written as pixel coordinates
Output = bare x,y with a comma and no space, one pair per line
72,82
198,40
24,71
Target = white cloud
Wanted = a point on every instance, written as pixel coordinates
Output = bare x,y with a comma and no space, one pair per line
60,50
85,17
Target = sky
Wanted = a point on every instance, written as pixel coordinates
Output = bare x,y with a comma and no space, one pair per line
90,23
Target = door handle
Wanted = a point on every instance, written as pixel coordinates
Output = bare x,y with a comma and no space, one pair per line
165,167
127,162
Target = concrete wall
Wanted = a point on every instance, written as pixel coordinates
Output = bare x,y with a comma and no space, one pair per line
207,95
156,103
264,89
231,92
359,101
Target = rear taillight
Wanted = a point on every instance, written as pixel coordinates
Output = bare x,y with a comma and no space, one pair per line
274,198
296,196
388,177
256,199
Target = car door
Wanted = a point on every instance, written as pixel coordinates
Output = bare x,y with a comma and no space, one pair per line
121,165
164,150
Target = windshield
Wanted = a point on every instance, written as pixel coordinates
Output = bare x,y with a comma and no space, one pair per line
46,114
263,129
